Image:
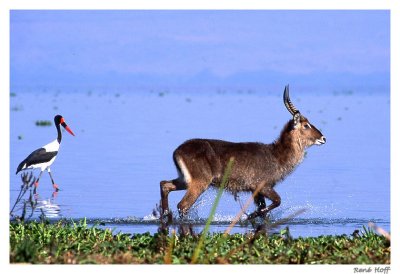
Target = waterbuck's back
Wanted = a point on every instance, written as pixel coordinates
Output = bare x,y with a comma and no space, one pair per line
206,160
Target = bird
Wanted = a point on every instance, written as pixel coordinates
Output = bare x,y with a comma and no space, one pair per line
44,157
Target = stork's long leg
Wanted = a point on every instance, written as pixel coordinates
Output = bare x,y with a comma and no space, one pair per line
55,186
36,184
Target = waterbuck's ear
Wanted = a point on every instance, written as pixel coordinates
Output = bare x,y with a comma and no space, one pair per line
296,120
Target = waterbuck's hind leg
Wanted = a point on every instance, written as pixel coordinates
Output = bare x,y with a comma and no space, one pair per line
165,188
195,189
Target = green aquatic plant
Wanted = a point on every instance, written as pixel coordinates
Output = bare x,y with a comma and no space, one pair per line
70,242
171,244
43,123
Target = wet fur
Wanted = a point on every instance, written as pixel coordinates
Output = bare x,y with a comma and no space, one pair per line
201,164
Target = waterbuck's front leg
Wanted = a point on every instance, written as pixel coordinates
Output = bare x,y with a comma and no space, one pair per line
259,200
260,203
271,194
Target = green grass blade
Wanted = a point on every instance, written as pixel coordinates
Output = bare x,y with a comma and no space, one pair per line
227,173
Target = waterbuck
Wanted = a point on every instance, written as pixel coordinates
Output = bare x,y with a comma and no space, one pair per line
257,167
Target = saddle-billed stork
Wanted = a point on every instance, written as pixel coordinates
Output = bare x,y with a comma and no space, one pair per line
43,157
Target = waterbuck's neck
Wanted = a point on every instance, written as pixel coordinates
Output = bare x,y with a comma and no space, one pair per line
288,149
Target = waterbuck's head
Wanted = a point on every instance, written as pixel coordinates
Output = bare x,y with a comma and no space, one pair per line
300,129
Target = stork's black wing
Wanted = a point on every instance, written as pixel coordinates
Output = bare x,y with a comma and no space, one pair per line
37,157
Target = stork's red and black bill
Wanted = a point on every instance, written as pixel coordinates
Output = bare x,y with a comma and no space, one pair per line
66,126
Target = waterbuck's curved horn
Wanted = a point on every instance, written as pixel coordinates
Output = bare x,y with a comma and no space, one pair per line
289,105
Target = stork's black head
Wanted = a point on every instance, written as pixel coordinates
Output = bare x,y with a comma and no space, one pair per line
59,120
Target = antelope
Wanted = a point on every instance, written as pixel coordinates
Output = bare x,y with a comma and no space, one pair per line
257,167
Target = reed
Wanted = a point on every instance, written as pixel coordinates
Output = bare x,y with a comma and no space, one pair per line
225,179
23,205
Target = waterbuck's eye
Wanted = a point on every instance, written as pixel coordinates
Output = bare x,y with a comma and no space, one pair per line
307,126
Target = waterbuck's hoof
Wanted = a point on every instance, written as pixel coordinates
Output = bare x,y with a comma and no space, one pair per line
169,217
260,213
186,230
252,216
166,216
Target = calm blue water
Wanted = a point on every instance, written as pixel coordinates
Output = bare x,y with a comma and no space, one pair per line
111,169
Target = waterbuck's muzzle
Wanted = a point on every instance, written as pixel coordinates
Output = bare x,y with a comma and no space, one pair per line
320,141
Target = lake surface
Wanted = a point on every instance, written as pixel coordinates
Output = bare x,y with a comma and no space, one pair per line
110,171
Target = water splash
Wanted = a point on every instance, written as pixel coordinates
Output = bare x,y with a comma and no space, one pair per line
227,219
49,208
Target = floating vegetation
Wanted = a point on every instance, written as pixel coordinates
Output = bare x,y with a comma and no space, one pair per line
221,91
43,123
17,108
68,242
343,92
13,94
348,92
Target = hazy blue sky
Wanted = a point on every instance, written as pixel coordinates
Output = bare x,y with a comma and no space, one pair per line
52,47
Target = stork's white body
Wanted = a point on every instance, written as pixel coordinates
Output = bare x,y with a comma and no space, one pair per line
45,156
